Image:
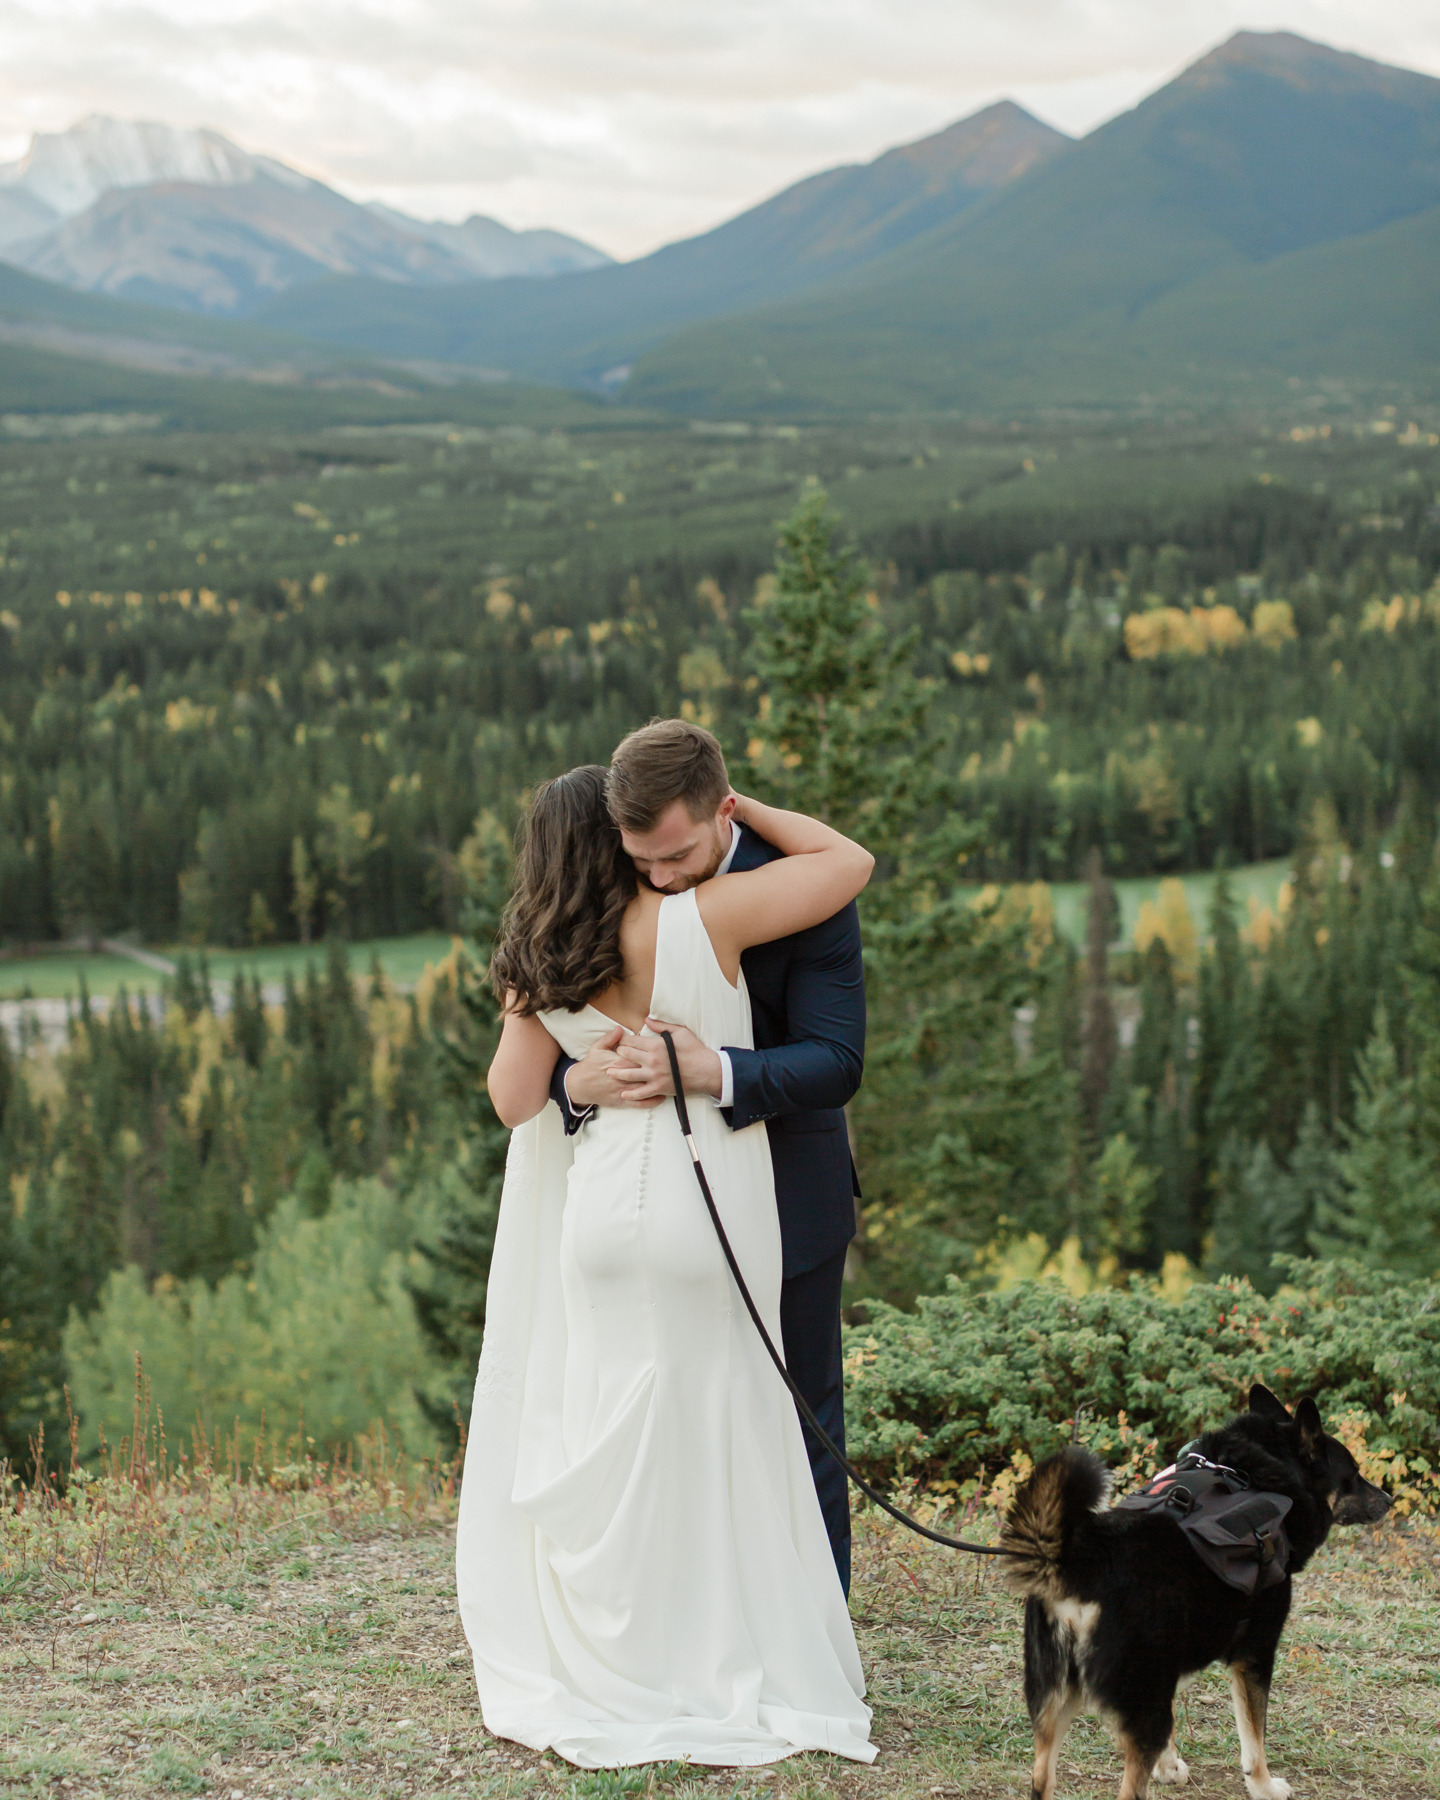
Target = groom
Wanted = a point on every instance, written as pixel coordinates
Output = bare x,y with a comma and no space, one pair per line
669,793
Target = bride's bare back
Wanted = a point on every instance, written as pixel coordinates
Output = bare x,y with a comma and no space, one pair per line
627,1001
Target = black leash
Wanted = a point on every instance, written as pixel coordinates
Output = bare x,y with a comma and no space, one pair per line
802,1405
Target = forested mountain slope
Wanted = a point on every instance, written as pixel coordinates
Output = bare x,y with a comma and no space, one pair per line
1169,246
581,327
105,386
40,311
86,362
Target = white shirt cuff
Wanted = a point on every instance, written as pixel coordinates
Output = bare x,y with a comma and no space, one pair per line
580,1112
727,1080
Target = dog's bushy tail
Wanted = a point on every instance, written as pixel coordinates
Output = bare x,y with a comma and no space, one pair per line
1042,1517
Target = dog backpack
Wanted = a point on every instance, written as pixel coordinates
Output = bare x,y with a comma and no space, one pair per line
1236,1533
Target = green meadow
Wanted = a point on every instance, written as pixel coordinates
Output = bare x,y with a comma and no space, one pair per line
1256,887
403,961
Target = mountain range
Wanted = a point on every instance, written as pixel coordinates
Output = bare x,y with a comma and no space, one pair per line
185,218
586,329
1272,214
1269,218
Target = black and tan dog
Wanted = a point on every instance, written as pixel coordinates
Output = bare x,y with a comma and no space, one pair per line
1120,1609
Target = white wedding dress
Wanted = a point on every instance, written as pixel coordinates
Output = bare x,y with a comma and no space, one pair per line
642,1566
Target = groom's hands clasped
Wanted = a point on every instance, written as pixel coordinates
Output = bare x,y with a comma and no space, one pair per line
592,1080
626,1069
641,1068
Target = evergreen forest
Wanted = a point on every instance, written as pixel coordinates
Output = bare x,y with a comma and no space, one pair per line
256,691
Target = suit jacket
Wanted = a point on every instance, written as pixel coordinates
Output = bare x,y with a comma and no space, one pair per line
807,998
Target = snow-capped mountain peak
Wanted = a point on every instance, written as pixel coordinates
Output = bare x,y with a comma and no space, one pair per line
69,170
180,217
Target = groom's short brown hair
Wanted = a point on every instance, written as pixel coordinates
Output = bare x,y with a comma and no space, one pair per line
665,761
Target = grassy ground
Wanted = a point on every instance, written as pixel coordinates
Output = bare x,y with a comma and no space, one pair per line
240,1642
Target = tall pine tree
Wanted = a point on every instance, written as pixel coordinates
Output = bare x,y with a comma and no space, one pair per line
1099,1042
843,717
964,1130
1388,1212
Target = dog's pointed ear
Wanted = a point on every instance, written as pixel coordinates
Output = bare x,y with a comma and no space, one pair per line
1268,1405
1307,1417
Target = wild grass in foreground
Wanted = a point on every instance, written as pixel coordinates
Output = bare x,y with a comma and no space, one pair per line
291,1631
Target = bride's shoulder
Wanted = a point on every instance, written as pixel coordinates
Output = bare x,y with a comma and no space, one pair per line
643,910
640,923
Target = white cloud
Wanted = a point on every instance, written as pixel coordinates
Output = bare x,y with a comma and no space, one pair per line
628,122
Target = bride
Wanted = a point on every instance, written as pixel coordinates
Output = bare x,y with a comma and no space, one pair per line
642,1567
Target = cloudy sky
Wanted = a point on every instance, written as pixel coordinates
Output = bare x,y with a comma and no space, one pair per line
628,122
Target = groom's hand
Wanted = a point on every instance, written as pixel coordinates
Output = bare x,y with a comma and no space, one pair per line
591,1081
643,1068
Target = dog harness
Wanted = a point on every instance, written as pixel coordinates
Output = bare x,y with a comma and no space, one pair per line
1237,1533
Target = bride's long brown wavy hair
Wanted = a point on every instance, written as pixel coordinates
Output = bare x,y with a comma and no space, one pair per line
559,942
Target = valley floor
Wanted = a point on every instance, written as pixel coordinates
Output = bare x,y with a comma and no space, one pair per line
56,976
318,1654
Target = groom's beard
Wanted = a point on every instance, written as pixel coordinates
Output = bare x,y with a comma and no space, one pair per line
680,884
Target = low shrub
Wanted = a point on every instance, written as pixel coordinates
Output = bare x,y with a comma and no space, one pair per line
972,1383
320,1338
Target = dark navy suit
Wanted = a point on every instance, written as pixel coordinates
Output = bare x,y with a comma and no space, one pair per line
807,998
